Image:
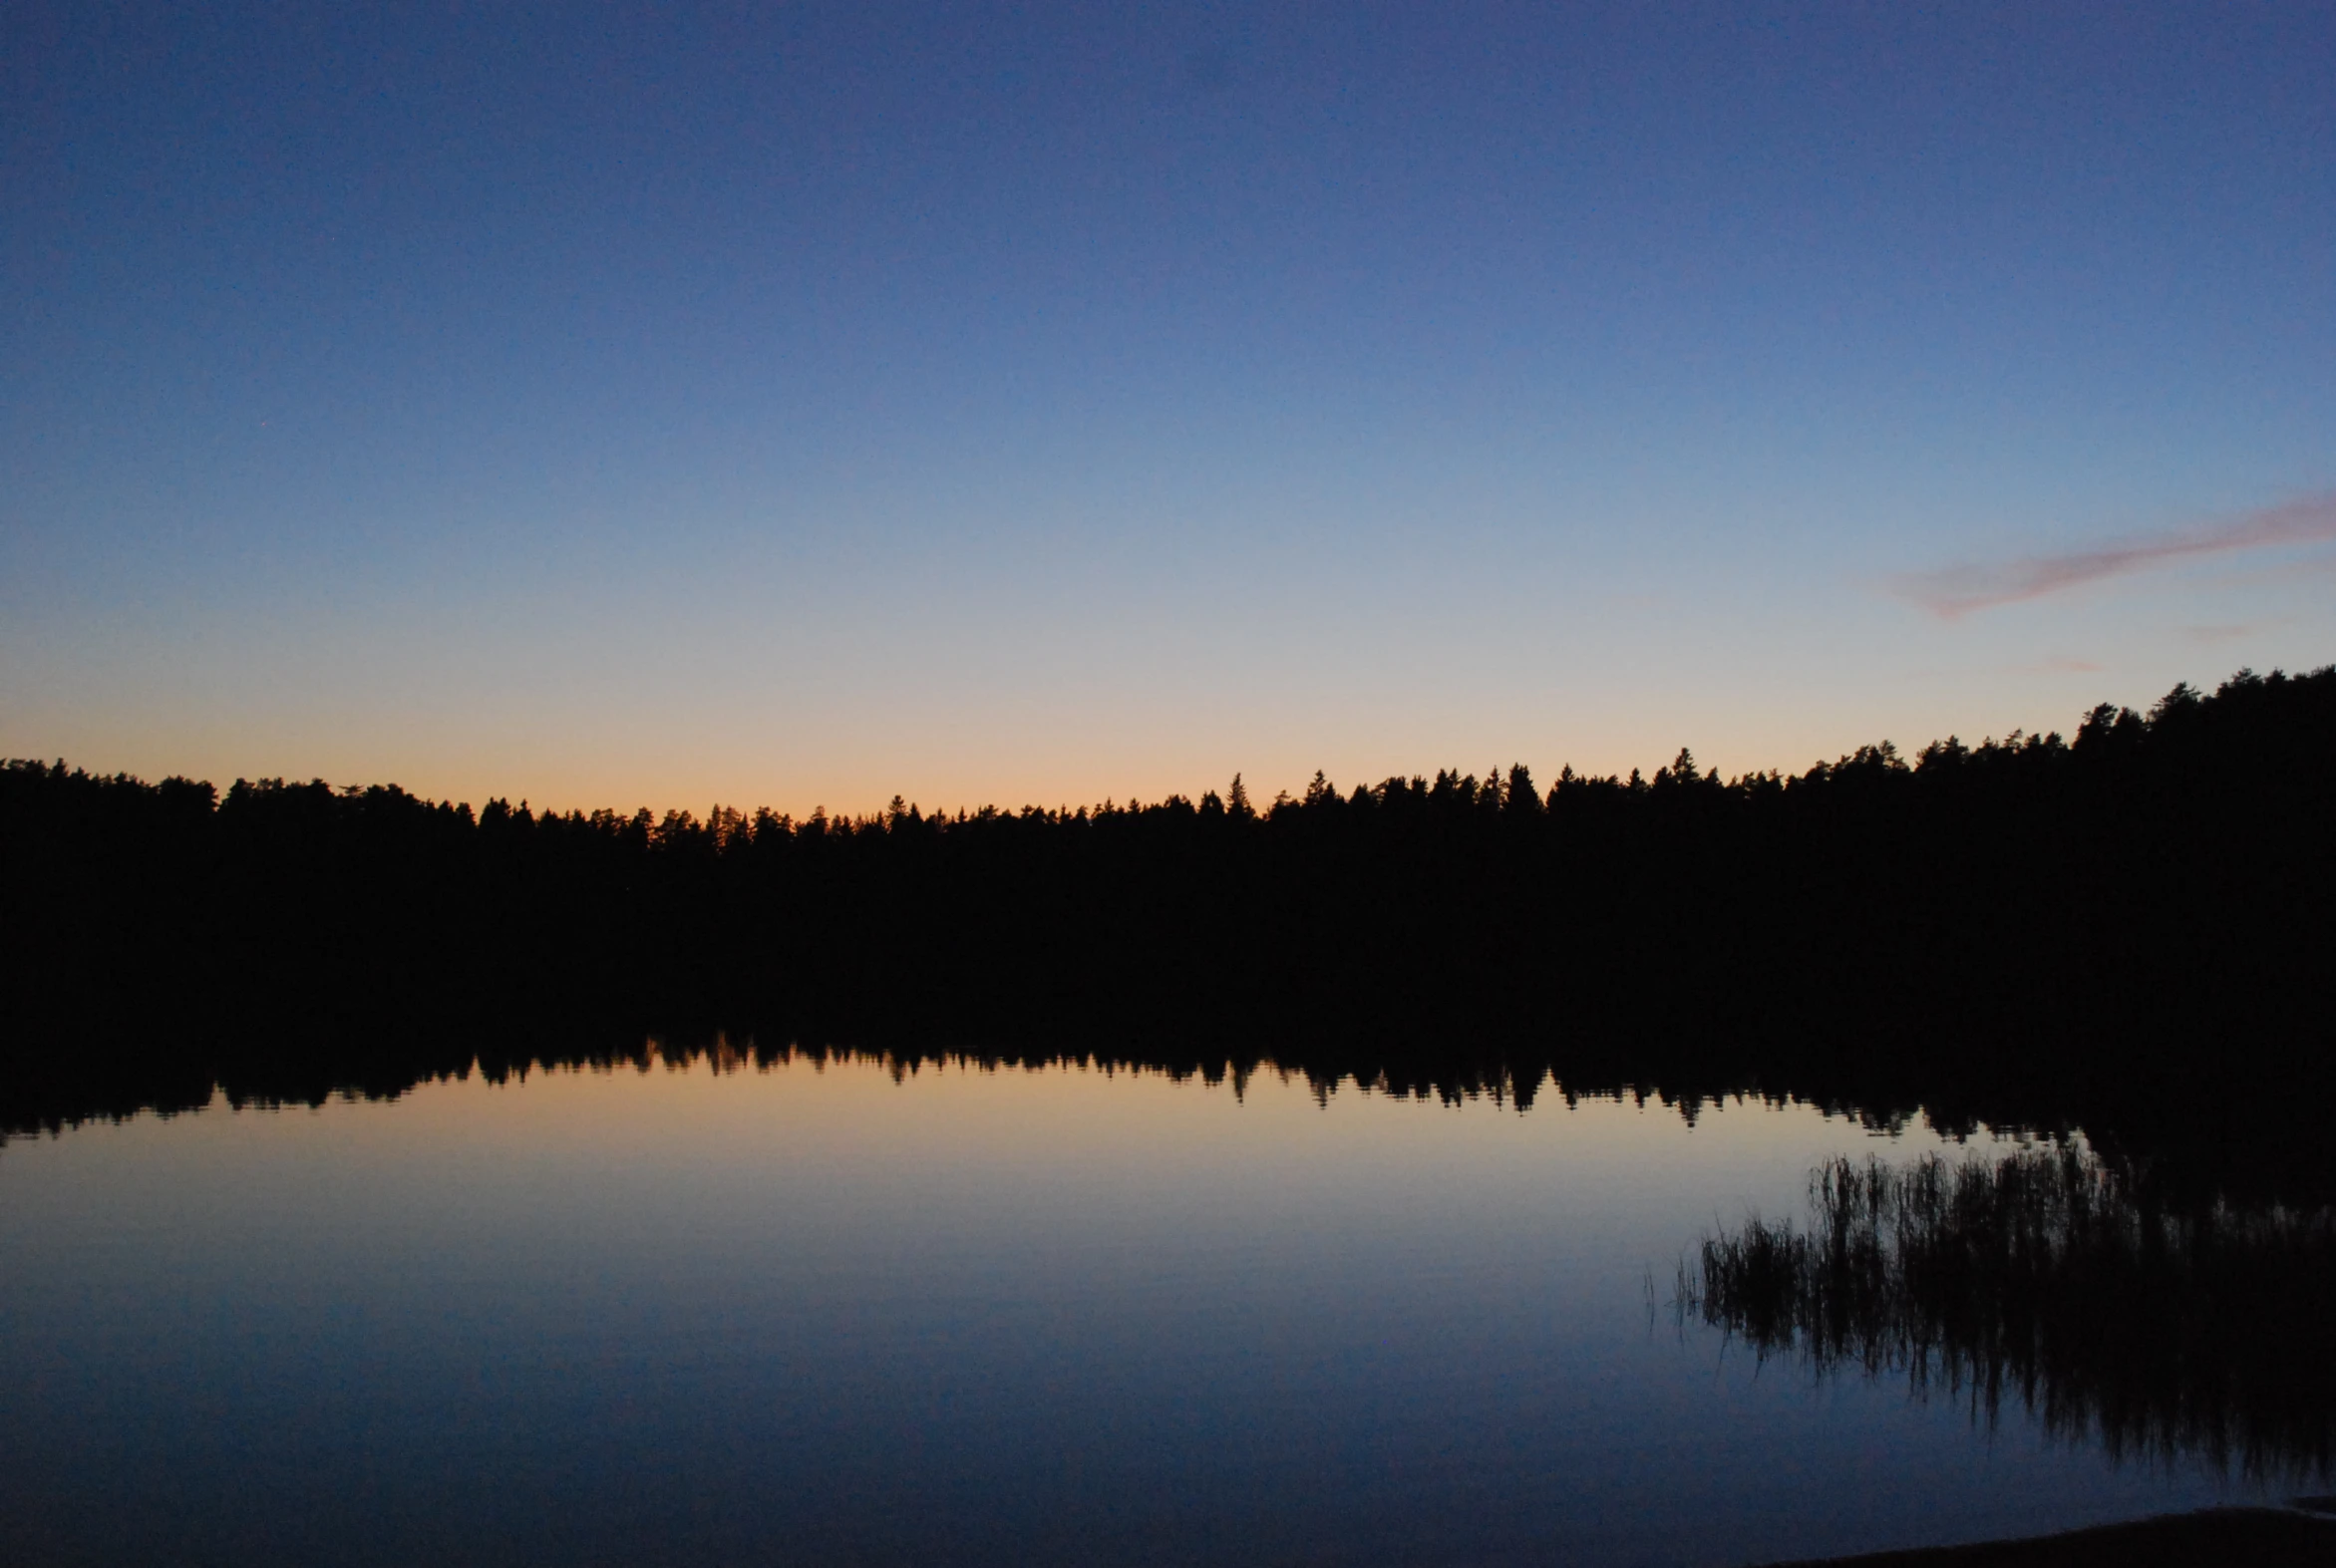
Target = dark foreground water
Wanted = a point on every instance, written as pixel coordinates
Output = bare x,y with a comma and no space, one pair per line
812,1314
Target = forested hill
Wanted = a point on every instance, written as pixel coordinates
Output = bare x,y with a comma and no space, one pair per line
2028,913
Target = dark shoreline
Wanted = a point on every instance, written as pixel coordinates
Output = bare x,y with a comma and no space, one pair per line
2123,933
2210,1538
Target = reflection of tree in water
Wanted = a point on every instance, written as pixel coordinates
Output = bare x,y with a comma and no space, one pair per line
2160,1331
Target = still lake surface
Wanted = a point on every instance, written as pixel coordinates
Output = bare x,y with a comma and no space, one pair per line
819,1313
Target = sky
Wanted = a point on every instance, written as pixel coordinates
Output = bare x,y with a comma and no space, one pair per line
803,405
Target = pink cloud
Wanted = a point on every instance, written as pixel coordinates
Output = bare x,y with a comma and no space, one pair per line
1958,591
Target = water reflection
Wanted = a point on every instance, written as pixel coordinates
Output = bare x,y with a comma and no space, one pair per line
816,1308
2162,1330
2204,1133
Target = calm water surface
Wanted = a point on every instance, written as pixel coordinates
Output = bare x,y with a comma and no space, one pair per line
811,1314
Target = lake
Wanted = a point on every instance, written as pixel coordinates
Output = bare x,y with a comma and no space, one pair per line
821,1309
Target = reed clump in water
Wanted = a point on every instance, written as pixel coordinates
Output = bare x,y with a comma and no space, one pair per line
2162,1331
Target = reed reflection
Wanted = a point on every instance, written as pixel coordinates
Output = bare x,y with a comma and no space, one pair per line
2165,1331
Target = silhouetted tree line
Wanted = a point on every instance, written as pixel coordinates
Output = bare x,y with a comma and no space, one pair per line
2060,1284
2128,929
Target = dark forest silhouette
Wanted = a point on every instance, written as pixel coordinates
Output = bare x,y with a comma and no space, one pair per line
2166,1331
2125,931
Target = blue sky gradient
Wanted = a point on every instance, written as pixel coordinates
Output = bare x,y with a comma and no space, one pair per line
803,403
